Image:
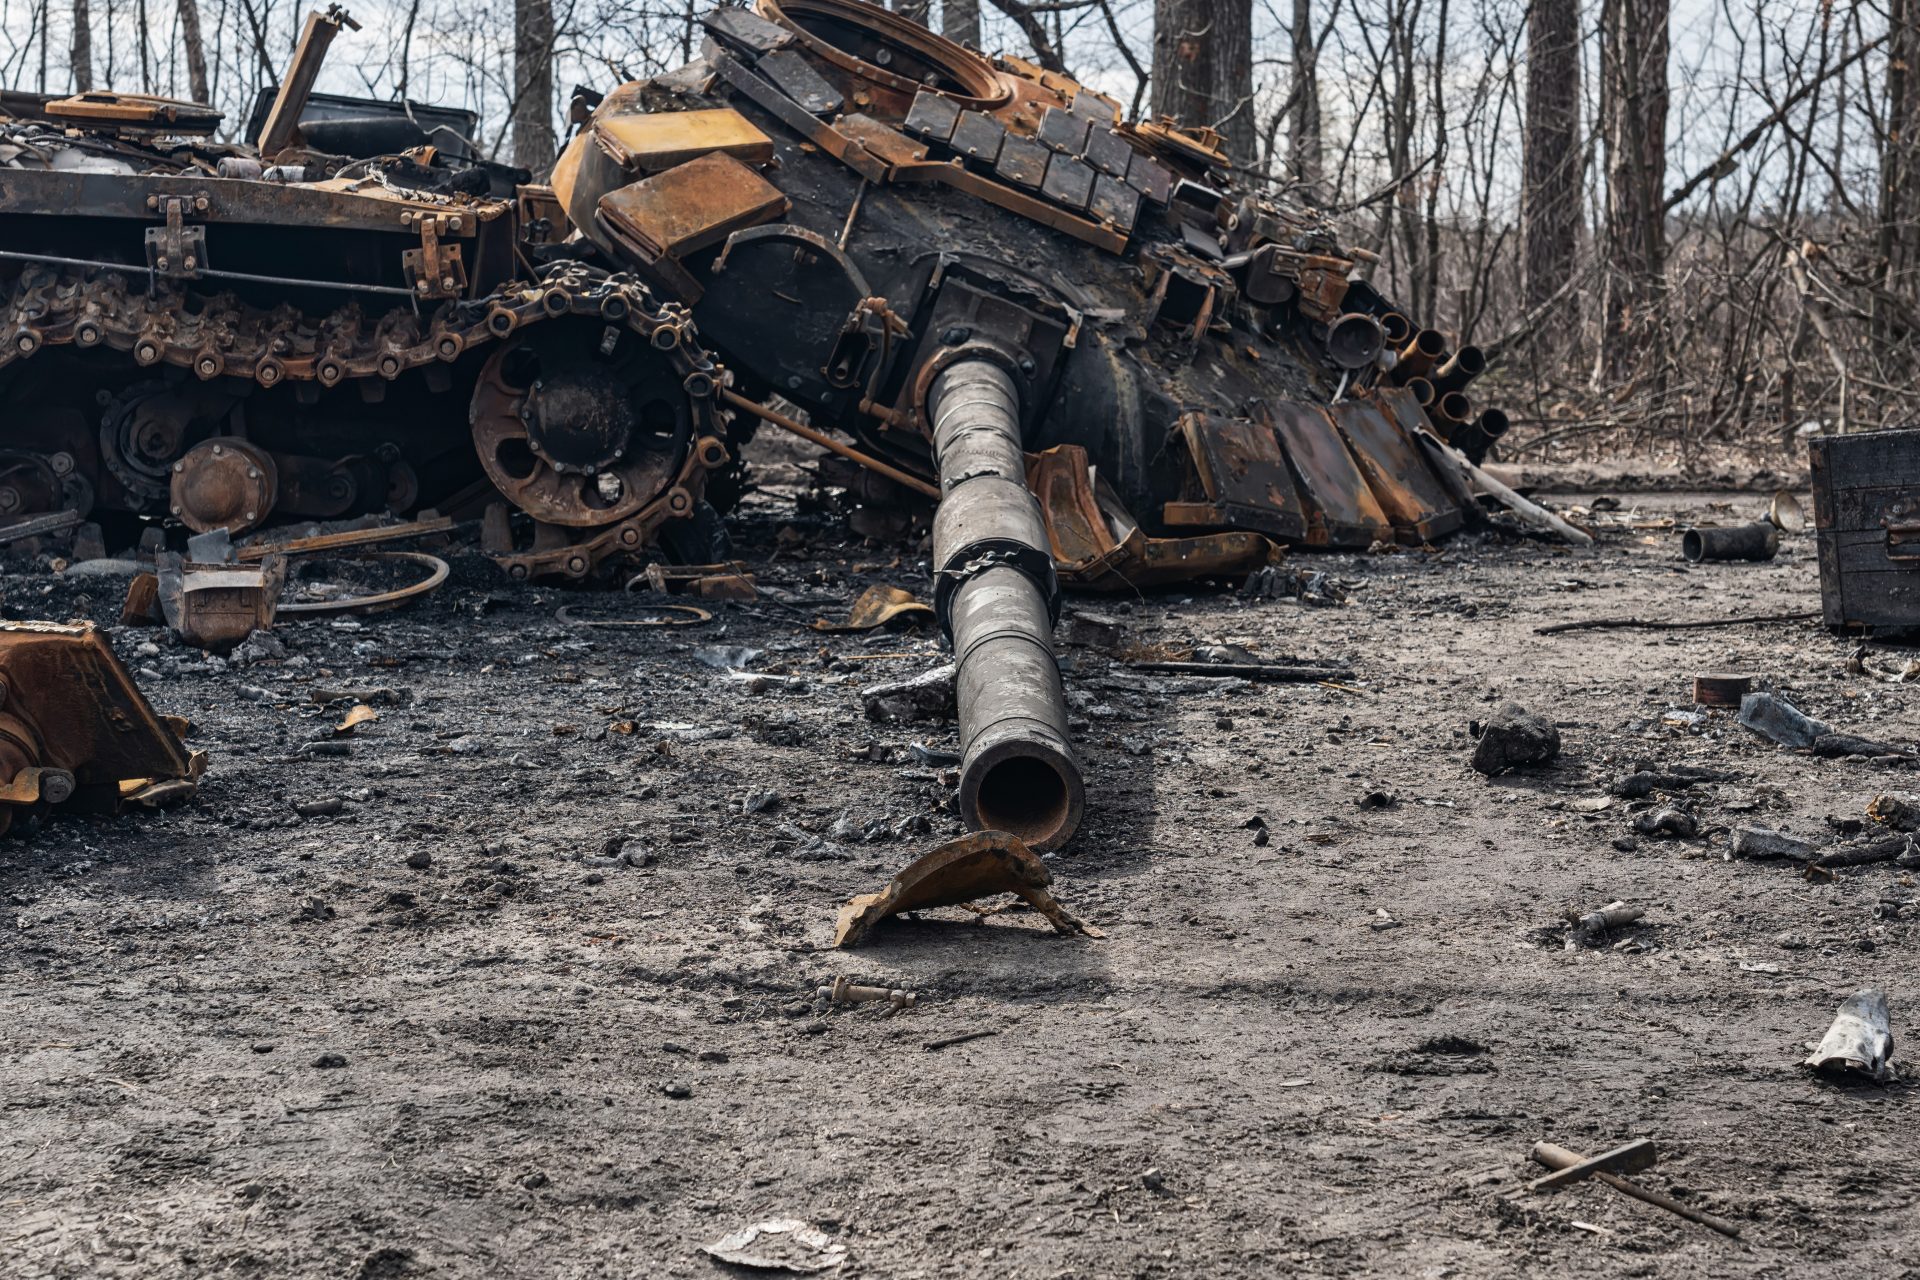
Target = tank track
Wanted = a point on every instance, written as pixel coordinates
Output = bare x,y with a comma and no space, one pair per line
219,335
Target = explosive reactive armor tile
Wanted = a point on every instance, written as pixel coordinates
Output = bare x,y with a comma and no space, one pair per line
1413,497
1023,162
1063,131
795,77
978,137
664,139
1108,152
1069,182
933,117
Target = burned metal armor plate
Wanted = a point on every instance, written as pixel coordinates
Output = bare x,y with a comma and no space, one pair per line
849,204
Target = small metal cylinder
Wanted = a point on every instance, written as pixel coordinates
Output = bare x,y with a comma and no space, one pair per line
1474,437
1758,541
1462,367
995,593
1420,354
1421,389
1354,341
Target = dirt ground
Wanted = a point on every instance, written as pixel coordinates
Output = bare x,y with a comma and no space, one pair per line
582,1040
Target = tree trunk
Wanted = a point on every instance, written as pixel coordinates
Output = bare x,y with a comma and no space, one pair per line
195,50
1551,194
533,142
1303,116
82,53
920,11
960,22
1899,212
1203,69
1633,107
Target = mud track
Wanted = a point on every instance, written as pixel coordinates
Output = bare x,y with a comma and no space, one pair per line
237,1042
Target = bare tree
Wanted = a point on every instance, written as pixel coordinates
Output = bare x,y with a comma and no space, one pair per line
533,141
960,22
1203,68
1899,230
1633,110
919,11
195,50
82,48
1303,118
1551,190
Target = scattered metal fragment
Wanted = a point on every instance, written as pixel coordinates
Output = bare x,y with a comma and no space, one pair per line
1860,1041
1591,929
675,615
1758,541
927,696
845,991
1630,1158
779,1244
1895,810
1785,513
1761,844
880,606
381,601
1260,672
142,606
39,526
345,540
1780,721
1097,544
75,729
1720,689
216,606
1677,824
1558,1157
980,865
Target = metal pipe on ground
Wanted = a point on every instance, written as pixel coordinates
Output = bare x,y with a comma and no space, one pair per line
996,593
1462,367
1758,541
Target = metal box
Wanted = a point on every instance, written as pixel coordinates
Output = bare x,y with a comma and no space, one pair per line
1866,509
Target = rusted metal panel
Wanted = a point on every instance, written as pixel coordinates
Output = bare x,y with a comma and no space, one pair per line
1243,477
75,724
691,206
1341,508
660,140
1098,546
1408,491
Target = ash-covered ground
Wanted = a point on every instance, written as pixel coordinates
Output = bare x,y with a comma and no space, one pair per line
539,999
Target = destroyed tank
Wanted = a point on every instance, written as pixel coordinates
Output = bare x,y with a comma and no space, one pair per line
350,316
999,287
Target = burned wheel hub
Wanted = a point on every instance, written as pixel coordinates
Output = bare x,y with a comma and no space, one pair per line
224,484
579,418
582,424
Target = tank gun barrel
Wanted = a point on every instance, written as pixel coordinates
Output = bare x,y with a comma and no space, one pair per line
997,596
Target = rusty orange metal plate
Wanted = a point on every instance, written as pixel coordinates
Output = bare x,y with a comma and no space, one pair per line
1341,508
65,682
1243,473
1098,546
691,206
660,140
1413,497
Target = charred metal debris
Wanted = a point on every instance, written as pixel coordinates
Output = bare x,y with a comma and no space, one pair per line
1108,361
